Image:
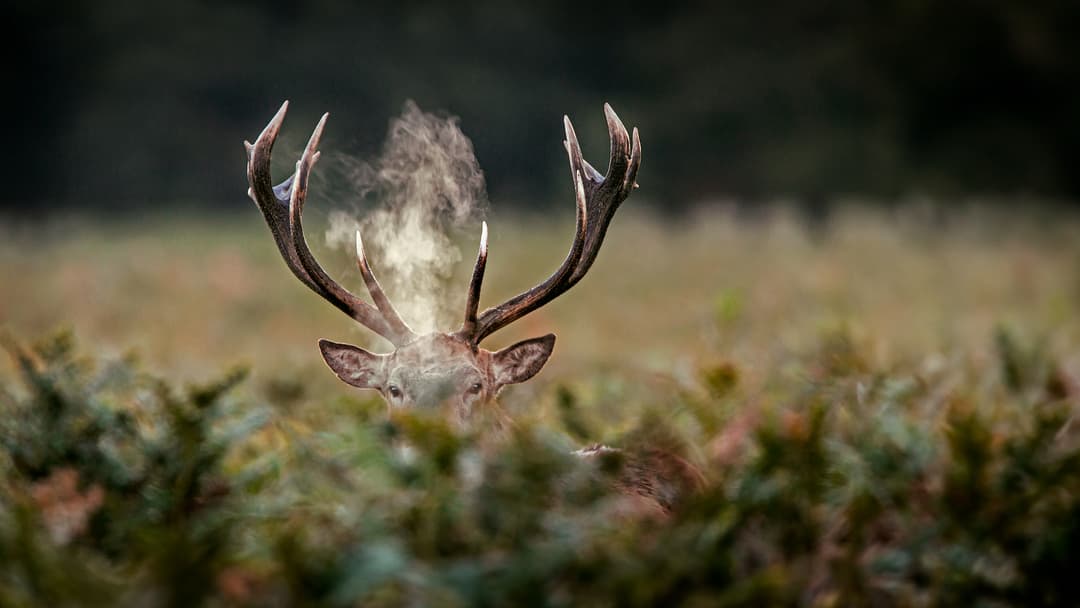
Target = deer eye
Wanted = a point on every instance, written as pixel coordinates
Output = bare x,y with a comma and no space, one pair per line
394,391
475,388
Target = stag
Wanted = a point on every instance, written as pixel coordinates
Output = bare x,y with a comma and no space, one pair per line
450,371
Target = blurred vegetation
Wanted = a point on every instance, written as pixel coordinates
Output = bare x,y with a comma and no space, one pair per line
884,407
868,487
123,103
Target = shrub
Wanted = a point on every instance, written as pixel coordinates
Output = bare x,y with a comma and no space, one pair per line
855,487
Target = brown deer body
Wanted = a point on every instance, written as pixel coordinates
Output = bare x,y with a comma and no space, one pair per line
450,371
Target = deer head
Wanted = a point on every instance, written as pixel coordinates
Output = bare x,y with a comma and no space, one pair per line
446,370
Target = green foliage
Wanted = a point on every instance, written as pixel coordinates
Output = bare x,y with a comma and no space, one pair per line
118,468
728,307
866,487
721,378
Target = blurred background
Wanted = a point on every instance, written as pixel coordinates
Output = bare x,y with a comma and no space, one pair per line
123,108
847,290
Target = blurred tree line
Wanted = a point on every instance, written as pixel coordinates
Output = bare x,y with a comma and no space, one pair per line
124,105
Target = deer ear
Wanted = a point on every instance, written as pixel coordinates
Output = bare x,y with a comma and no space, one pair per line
521,361
353,364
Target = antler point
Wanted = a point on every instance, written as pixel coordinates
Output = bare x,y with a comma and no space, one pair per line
280,116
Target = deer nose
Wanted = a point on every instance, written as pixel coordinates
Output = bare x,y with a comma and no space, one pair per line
436,392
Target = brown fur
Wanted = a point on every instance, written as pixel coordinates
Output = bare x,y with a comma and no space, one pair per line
440,371
654,479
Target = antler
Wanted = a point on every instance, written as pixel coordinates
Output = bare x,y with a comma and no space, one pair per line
598,197
283,205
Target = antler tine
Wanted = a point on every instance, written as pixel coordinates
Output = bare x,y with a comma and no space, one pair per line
630,184
274,201
472,300
389,313
282,208
620,143
606,193
513,309
361,311
598,197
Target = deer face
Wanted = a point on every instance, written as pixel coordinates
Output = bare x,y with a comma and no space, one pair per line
438,371
441,370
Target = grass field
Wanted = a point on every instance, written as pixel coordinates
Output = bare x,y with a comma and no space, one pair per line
882,401
189,295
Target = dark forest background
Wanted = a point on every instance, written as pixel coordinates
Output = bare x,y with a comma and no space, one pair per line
129,106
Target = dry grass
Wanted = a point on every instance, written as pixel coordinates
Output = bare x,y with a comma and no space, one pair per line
883,407
910,287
